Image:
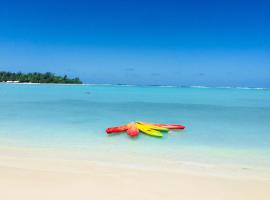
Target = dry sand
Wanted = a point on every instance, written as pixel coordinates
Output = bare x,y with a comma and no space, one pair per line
32,178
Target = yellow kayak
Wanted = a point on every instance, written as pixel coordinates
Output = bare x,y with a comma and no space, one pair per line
151,126
148,130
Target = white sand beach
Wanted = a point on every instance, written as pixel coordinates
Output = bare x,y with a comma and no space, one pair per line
25,176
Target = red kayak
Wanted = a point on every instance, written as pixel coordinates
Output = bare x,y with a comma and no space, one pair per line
117,129
132,130
170,126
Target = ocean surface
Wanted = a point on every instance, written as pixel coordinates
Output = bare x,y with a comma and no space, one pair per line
224,125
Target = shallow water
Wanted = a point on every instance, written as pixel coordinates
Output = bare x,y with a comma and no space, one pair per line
224,125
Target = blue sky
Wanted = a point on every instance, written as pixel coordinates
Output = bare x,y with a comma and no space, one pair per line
213,43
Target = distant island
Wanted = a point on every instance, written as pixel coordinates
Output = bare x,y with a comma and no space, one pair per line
36,77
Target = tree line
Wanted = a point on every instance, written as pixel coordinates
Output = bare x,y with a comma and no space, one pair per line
36,77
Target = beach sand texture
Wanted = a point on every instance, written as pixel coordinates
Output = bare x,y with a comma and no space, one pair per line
50,178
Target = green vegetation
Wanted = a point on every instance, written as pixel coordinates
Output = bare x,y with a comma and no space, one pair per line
37,78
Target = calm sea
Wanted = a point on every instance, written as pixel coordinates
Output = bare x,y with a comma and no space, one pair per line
224,125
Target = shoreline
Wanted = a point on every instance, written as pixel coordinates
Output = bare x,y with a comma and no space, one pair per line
131,85
15,156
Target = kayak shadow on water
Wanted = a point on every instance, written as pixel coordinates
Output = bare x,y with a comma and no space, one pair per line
125,134
141,134
133,138
176,130
116,133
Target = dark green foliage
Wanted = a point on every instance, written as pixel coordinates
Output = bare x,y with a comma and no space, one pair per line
37,78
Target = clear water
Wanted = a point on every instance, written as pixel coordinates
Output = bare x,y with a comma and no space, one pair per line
229,126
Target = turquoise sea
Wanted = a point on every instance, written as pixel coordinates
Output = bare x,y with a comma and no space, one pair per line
224,125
